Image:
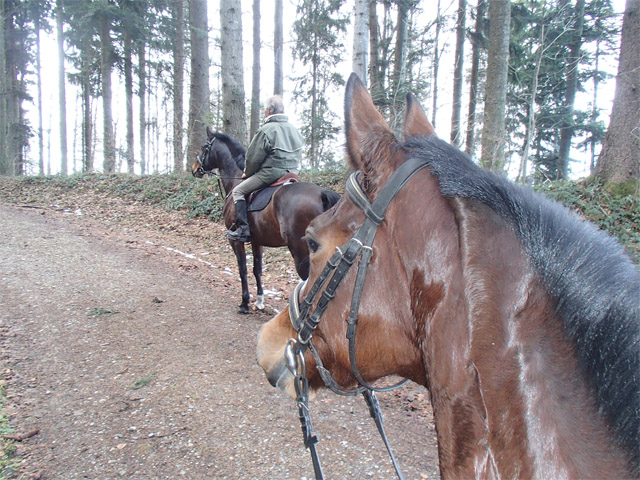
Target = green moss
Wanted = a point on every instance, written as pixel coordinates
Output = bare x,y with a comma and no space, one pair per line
617,211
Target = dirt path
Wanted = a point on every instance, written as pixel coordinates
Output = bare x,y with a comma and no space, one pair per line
131,362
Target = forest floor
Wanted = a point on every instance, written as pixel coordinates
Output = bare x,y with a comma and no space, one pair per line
123,355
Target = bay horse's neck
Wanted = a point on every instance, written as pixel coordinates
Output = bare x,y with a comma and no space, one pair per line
506,396
230,173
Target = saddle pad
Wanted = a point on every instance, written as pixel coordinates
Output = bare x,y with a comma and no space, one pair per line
261,198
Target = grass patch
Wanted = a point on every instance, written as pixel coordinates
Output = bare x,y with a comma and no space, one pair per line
9,463
143,382
616,212
98,311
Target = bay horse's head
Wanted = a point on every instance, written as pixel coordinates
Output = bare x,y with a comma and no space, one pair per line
522,320
384,341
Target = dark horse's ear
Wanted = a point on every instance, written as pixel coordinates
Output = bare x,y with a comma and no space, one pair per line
415,120
363,122
209,132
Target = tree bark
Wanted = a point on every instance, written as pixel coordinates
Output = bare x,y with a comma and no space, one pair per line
87,122
178,85
231,63
109,162
4,83
399,63
255,72
62,95
128,87
142,96
566,130
619,160
278,49
199,91
374,68
361,39
39,88
436,65
493,131
456,135
477,43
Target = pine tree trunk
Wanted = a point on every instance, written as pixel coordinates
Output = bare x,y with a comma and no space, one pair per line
178,85
619,160
436,65
477,45
108,141
62,94
142,95
199,91
375,82
361,39
4,110
399,64
39,89
231,65
10,160
456,135
278,49
128,86
531,107
493,131
255,72
566,130
594,106
87,122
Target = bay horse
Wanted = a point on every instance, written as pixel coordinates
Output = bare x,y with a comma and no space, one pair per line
521,320
281,223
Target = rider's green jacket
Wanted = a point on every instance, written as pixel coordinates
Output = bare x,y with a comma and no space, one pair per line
275,150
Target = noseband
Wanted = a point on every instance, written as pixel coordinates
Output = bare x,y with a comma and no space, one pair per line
305,319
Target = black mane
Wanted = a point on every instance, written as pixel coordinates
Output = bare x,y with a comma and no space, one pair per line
235,148
588,274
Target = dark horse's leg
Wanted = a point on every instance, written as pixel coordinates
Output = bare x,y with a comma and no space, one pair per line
241,257
257,272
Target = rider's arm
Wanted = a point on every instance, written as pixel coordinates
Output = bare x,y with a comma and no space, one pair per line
256,153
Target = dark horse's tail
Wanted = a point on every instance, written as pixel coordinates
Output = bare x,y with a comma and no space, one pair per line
329,199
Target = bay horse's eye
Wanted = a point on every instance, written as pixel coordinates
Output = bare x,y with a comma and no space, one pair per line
313,245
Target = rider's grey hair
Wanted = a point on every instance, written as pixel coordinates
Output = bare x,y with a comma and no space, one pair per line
275,104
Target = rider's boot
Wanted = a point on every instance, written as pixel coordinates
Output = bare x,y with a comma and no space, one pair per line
241,232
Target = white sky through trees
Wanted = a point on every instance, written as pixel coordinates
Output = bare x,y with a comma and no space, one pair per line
165,159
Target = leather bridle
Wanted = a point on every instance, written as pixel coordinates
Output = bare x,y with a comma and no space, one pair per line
204,156
305,318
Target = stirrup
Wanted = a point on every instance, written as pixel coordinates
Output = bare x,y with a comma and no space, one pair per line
238,235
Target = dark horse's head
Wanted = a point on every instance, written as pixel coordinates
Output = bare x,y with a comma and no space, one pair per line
218,146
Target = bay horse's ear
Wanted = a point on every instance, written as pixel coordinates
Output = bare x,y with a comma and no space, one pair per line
415,120
209,132
362,121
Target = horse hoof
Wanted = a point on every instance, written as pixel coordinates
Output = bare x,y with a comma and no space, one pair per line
260,302
243,310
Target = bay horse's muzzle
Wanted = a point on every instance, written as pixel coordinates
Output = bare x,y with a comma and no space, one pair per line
271,353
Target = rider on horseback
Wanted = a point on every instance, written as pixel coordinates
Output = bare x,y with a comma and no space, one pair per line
275,150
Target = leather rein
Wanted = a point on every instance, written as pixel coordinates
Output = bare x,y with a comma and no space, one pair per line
305,320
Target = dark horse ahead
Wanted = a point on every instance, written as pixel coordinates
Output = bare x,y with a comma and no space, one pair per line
522,320
281,223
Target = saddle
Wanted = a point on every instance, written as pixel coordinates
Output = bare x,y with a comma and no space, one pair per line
259,199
